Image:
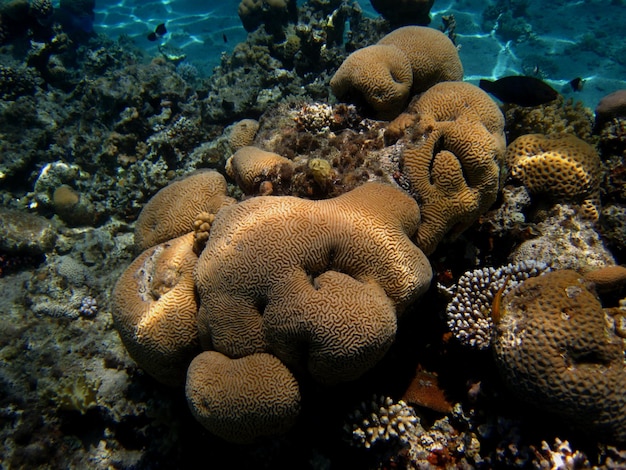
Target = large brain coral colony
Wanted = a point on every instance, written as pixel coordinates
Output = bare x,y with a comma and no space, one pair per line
286,287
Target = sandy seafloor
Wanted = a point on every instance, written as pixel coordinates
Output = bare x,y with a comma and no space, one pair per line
70,395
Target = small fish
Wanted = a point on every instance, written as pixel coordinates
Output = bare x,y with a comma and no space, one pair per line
577,84
496,314
158,32
520,90
224,38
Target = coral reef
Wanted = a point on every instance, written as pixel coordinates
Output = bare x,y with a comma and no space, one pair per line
562,167
171,212
408,60
554,349
453,178
470,312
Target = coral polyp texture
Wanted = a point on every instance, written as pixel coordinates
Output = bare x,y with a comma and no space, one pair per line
563,167
155,308
379,76
408,60
554,349
242,133
453,162
250,166
242,399
171,212
282,273
470,310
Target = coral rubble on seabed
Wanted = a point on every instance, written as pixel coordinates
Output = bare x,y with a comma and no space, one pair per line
91,130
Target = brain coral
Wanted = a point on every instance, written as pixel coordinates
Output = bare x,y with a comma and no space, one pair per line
243,133
454,162
404,11
250,166
379,76
317,283
172,211
561,166
433,56
554,350
408,60
154,309
241,399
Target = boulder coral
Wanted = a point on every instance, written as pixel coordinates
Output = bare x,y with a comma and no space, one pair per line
408,60
454,160
154,309
242,133
561,166
286,287
317,283
171,212
242,399
554,349
250,166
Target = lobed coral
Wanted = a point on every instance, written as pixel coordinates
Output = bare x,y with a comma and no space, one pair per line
250,166
554,349
330,274
408,60
453,163
171,212
154,309
242,399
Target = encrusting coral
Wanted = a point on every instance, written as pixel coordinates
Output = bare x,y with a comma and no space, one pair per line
453,162
554,349
408,60
561,166
154,309
172,211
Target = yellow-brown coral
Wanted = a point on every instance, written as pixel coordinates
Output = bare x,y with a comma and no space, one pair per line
250,166
379,76
154,309
560,166
454,163
242,399
408,60
555,350
433,57
171,212
317,283
242,133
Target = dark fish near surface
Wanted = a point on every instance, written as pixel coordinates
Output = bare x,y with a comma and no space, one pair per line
224,38
159,31
520,90
577,84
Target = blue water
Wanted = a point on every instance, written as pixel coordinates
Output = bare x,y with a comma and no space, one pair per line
563,40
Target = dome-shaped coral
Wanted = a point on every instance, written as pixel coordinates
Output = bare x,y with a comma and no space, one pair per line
154,309
554,349
172,211
560,166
